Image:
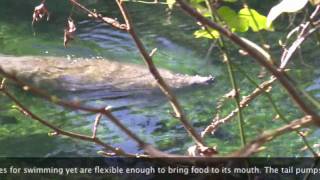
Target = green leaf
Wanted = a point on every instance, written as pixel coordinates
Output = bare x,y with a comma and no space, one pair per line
197,1
203,10
255,20
231,18
171,3
204,34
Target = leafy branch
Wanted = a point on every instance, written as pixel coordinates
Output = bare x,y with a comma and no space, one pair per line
257,53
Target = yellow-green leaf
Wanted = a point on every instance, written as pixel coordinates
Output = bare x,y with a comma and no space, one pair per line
171,3
204,34
231,18
256,20
231,1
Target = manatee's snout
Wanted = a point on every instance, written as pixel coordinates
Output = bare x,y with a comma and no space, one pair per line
210,80
200,80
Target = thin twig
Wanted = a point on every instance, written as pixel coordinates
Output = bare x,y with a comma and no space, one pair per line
95,125
153,52
147,2
111,21
2,83
254,145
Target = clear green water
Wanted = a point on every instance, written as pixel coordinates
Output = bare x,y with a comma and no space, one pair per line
177,51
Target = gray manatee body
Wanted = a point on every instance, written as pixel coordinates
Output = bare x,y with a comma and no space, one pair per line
93,74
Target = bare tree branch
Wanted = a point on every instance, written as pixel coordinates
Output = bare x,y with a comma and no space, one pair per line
246,100
160,81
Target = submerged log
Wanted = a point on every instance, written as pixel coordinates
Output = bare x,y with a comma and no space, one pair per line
91,74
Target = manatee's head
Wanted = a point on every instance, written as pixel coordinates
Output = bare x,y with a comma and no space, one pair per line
183,81
201,80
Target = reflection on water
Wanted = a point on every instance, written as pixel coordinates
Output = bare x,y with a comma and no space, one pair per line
315,87
110,39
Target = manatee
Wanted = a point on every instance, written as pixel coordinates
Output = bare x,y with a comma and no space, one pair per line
60,73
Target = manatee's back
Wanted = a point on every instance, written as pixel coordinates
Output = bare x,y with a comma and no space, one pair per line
91,74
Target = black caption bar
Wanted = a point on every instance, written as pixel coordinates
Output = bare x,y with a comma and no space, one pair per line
160,168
